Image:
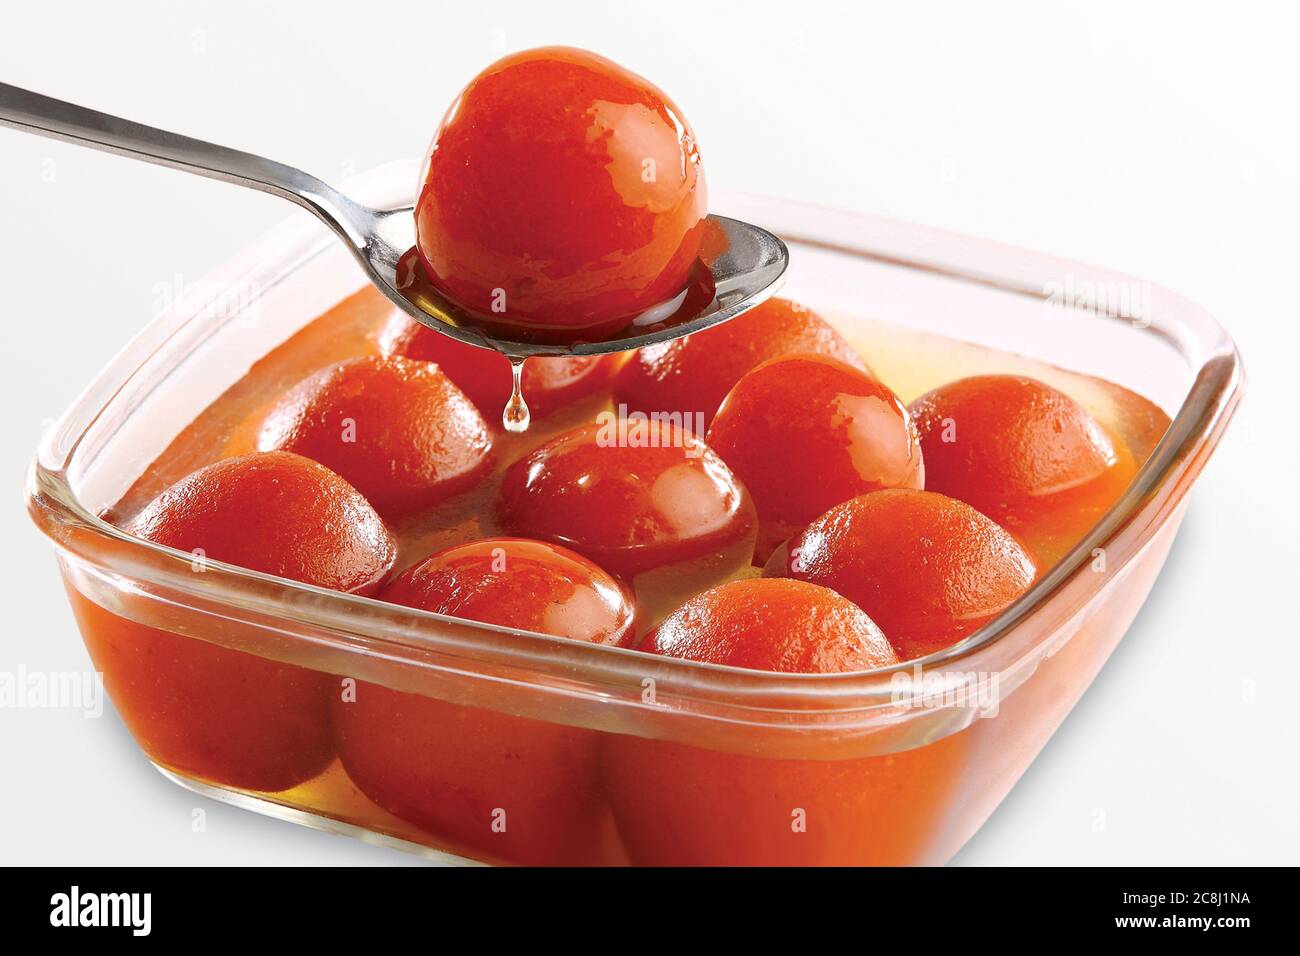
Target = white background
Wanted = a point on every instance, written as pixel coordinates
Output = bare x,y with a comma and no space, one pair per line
1160,140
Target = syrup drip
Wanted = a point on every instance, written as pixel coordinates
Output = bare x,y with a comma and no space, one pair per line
516,416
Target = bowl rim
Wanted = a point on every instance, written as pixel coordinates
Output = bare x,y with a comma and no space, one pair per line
557,665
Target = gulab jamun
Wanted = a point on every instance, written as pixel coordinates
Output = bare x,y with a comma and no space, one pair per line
224,715
643,498
517,789
927,568
549,382
1025,454
399,430
563,197
693,374
683,805
773,624
805,432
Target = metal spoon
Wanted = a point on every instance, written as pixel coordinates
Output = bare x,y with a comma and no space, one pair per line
746,270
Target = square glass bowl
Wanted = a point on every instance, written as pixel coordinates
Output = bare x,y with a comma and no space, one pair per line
562,752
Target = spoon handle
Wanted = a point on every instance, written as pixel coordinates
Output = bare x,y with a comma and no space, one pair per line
46,116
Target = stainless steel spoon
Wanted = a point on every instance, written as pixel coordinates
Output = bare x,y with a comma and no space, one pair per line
746,270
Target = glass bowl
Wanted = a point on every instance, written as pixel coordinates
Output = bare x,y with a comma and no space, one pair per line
554,751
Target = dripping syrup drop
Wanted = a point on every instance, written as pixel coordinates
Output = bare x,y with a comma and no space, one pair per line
516,416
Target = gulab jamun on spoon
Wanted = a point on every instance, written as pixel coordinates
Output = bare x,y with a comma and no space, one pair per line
561,211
